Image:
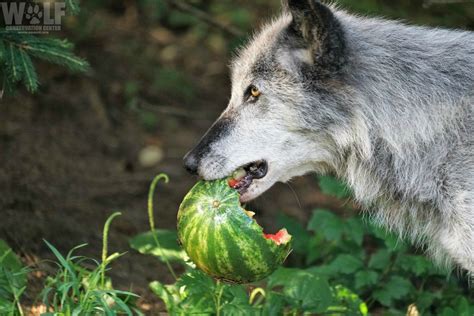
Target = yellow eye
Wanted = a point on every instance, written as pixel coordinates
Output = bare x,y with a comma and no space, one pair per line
255,92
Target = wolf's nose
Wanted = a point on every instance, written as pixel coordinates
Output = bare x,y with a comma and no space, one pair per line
191,163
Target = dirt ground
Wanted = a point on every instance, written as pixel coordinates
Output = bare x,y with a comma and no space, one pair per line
70,155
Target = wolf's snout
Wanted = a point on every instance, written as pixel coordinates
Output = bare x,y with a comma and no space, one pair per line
217,131
191,163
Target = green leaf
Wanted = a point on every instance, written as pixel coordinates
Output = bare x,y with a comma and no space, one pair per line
13,279
331,186
380,260
355,230
170,250
303,289
396,288
346,264
392,242
326,223
162,292
448,311
8,259
199,289
418,265
365,278
235,301
462,306
274,304
424,301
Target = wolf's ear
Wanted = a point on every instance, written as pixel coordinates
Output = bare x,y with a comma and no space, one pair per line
321,32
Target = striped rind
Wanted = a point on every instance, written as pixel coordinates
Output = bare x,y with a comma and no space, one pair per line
221,239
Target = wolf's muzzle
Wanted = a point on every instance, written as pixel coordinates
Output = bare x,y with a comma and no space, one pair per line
219,129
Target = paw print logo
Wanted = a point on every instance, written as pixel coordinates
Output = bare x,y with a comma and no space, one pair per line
34,14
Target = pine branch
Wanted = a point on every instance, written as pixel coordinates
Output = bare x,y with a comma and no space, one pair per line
16,51
30,78
73,7
59,56
13,62
7,85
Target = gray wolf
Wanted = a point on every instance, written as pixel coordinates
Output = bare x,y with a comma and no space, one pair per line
387,107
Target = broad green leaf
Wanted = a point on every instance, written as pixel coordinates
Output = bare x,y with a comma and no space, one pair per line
448,311
424,300
197,283
303,289
170,249
392,242
235,301
326,223
199,291
346,264
235,294
395,288
274,304
238,309
380,260
462,306
365,278
354,230
418,265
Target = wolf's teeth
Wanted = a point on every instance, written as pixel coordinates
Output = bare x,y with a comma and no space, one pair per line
239,174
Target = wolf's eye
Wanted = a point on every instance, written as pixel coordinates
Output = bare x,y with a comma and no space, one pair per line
252,93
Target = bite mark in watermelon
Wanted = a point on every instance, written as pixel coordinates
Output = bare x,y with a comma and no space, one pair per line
282,237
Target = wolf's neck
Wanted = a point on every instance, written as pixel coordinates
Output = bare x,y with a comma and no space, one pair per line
411,91
409,88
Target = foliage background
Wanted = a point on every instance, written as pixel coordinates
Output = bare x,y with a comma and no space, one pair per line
86,144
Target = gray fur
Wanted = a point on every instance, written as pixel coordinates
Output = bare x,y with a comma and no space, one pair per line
391,112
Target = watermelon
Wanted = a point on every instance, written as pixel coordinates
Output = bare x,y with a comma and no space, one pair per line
223,239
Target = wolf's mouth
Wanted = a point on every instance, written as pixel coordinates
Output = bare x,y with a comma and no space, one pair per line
242,178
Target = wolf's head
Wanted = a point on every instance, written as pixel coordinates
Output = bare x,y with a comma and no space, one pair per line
283,105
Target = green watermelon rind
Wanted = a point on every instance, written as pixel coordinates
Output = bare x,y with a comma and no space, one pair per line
221,239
